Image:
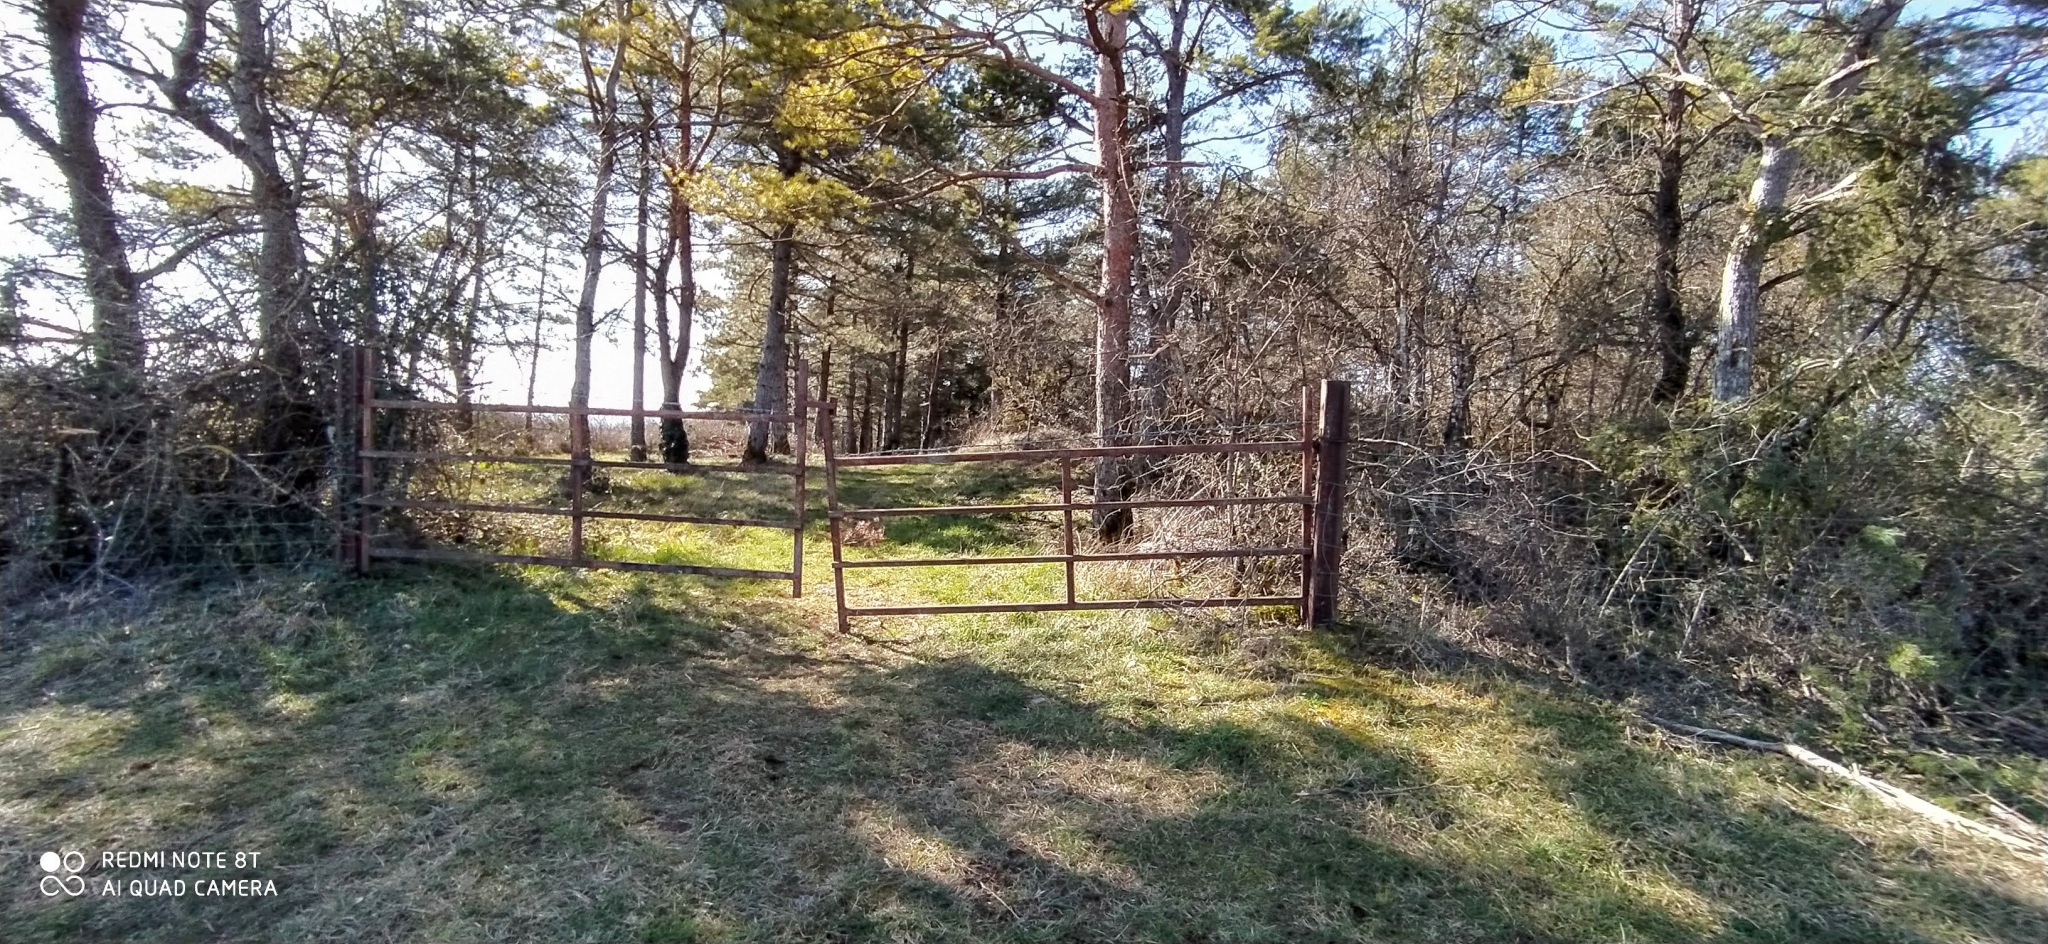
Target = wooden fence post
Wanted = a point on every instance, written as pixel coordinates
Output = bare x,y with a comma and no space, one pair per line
366,441
1329,508
1067,499
802,428
1308,508
829,441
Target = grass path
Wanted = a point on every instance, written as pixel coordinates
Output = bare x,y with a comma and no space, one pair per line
532,755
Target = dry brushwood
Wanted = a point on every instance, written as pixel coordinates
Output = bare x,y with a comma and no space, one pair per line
1886,793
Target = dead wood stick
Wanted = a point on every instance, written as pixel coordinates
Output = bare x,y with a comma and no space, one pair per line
1890,795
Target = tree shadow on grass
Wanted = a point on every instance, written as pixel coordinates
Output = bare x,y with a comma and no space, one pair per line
1768,871
1779,874
467,755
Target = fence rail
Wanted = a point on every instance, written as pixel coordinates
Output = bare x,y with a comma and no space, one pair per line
443,406
361,545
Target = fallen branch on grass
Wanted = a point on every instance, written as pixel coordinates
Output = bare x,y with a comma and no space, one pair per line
1890,795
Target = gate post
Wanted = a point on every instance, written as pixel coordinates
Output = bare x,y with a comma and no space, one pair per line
1328,549
799,409
1308,508
830,421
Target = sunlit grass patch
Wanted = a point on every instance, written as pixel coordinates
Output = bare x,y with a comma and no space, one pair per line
539,754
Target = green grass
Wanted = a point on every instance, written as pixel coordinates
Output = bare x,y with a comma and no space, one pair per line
535,755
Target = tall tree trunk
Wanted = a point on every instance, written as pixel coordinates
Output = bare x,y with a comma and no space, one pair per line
931,396
604,107
892,403
1151,372
769,381
1119,254
540,309
359,221
1664,305
792,331
1763,213
1464,370
678,245
637,436
290,418
825,372
673,352
462,354
851,413
1742,276
867,411
118,351
117,346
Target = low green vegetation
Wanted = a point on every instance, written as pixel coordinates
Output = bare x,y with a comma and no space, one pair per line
447,754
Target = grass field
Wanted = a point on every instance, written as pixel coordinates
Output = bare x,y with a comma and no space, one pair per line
536,755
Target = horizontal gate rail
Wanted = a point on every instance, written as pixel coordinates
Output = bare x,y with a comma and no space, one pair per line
1305,500
478,457
1058,607
1070,506
416,505
442,406
472,557
1081,558
1054,455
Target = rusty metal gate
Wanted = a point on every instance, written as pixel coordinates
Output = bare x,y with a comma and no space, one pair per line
1320,446
360,547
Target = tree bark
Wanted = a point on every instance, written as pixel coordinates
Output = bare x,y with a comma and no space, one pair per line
678,245
118,351
867,411
604,108
931,396
1119,253
462,356
769,382
892,403
637,435
1741,277
1663,304
852,404
291,419
117,347
825,377
1153,368
1464,370
1763,213
540,308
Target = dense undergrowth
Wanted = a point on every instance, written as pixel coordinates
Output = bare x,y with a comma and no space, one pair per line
1868,582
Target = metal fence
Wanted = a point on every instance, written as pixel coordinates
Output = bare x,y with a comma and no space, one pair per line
1320,447
363,548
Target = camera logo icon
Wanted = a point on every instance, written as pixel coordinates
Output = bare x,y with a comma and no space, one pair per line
63,877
